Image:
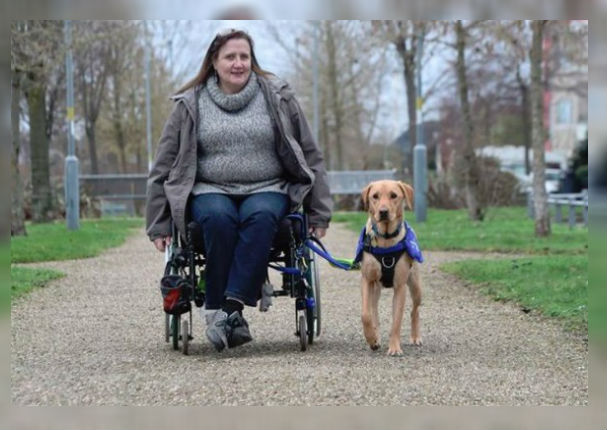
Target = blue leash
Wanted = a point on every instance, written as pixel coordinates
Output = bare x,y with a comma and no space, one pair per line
320,250
327,256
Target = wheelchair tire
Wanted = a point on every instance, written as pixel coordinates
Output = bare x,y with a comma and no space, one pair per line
310,325
167,327
175,323
314,319
303,338
185,337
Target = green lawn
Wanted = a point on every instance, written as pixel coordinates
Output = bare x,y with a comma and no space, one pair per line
24,279
556,285
503,230
52,241
5,253
553,279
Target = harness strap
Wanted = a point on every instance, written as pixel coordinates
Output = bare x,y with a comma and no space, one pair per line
388,263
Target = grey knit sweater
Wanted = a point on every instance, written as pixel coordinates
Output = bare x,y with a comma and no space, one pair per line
236,150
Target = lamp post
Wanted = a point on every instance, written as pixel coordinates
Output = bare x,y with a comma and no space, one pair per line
72,191
420,151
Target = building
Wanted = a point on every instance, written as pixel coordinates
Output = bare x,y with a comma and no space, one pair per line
565,94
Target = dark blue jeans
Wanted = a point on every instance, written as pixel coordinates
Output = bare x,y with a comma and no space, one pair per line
238,233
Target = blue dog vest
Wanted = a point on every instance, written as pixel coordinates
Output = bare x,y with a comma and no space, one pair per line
388,257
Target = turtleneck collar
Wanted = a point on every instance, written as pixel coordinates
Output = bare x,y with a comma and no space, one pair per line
233,102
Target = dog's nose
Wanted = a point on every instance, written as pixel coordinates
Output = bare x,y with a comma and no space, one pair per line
383,214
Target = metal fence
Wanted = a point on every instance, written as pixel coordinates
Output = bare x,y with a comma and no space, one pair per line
560,201
120,193
353,181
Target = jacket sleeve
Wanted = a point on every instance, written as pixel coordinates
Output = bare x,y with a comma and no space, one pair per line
318,204
158,211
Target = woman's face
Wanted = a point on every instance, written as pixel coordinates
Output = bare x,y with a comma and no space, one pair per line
233,65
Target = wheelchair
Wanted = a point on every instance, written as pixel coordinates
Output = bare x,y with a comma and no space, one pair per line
289,255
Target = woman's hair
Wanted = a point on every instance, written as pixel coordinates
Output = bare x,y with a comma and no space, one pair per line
207,69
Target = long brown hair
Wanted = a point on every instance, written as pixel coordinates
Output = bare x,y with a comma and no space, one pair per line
207,69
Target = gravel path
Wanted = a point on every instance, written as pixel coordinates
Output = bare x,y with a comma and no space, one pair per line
96,337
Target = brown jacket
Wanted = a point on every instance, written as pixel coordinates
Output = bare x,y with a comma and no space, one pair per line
172,176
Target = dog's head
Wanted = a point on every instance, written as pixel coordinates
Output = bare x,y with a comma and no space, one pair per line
384,199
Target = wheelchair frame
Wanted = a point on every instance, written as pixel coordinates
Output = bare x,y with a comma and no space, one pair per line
300,280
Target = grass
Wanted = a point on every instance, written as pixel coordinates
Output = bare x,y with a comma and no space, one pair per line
24,279
52,242
5,296
556,286
552,279
503,230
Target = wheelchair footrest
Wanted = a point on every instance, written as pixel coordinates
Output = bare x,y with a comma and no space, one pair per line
280,293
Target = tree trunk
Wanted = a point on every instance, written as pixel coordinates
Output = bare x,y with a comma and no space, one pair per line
17,214
468,164
42,207
90,134
325,134
525,115
117,120
335,103
540,198
408,58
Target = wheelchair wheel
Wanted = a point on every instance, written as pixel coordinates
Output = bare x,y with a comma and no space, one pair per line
185,336
167,327
314,315
175,324
303,339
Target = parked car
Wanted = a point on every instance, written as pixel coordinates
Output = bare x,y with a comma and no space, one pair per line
553,180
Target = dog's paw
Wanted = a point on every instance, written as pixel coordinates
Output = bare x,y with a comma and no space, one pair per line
394,352
374,346
415,340
394,349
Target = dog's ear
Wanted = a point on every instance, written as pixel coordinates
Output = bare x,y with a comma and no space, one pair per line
364,197
408,192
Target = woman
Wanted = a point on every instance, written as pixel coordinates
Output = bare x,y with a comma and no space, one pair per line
236,155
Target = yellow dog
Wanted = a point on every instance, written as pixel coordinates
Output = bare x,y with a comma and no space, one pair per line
384,231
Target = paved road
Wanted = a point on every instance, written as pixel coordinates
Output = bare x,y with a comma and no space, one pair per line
96,337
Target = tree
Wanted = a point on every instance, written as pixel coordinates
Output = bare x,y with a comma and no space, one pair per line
121,50
540,198
34,49
17,214
351,74
404,35
468,167
91,69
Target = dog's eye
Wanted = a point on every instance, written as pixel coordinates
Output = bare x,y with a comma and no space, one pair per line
375,196
393,195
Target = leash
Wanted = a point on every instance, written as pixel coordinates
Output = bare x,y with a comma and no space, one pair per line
318,248
341,263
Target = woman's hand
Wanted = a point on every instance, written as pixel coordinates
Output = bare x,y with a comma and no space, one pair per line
318,232
162,242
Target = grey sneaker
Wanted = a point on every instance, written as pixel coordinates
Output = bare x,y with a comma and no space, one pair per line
216,329
237,330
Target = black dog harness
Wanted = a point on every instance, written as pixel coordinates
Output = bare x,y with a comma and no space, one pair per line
388,257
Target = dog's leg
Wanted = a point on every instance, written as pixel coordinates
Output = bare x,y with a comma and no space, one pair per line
367,314
416,298
398,308
375,293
